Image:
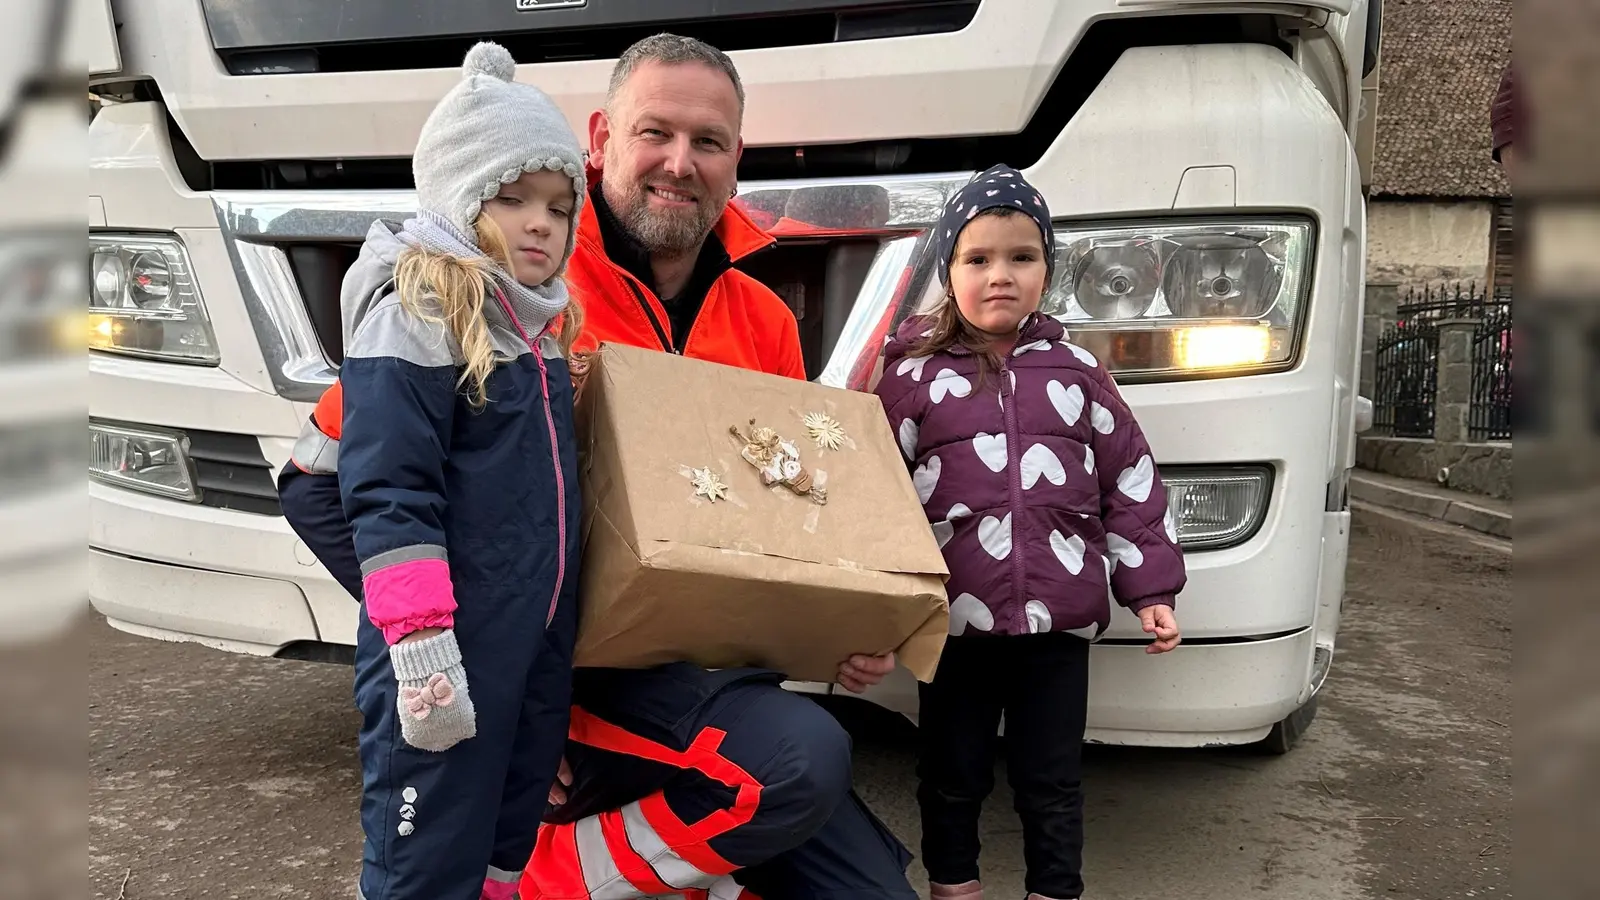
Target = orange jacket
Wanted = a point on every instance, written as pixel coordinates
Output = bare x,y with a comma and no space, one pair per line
741,323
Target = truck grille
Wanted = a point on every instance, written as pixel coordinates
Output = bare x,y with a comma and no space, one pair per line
290,251
261,37
232,474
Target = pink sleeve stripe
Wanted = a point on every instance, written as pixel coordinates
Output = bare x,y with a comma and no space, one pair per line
407,596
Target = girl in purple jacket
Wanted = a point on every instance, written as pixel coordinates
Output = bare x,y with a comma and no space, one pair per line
1045,498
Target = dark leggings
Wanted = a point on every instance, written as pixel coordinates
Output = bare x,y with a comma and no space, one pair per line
1041,684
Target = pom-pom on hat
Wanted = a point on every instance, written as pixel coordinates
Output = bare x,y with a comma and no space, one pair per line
487,131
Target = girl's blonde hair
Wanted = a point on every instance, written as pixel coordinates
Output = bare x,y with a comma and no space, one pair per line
457,289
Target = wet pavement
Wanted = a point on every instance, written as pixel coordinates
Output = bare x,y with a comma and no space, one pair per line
219,776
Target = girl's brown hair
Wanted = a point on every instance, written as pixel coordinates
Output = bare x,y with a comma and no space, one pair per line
458,288
951,329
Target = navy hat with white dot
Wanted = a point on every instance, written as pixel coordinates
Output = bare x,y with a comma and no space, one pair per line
999,186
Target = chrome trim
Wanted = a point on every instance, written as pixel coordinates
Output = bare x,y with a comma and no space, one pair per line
253,222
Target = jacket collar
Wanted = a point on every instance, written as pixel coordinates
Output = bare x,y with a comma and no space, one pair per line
1036,327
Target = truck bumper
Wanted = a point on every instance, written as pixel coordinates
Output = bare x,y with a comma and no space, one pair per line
231,580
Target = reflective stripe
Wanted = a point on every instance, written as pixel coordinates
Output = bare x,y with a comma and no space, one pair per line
601,875
644,850
403,555
503,876
672,868
634,867
728,889
315,453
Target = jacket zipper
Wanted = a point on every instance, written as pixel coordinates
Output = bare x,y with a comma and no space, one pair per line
555,453
644,305
1014,451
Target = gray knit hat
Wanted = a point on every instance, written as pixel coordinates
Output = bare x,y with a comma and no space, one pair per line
486,132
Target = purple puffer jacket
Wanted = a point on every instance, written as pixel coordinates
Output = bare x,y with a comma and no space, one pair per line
1040,486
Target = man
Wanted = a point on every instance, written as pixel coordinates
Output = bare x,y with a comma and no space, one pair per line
678,780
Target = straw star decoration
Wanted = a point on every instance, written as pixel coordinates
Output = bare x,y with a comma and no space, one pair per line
708,485
824,430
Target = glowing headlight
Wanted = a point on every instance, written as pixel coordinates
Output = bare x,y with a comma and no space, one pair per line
1216,297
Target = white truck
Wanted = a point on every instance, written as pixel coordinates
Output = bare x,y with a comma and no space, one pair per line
1200,156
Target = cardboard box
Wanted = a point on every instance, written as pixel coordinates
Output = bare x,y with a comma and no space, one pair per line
764,575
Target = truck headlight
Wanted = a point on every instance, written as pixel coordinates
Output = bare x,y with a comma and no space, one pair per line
1222,297
1216,507
143,300
151,460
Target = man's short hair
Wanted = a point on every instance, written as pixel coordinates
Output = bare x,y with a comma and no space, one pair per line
672,49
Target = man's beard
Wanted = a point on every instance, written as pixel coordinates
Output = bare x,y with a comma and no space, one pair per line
665,232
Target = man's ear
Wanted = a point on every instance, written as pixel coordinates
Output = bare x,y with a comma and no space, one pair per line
599,134
738,151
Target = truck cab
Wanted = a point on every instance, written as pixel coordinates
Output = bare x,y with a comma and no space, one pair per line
1199,155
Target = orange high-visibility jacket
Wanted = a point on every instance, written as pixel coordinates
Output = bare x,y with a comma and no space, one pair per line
741,323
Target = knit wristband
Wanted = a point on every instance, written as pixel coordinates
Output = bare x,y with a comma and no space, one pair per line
416,660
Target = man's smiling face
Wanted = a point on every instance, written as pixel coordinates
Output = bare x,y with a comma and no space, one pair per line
668,149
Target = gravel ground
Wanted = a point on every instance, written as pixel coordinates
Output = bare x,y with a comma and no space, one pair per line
216,776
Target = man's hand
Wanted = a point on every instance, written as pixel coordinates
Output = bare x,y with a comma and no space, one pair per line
563,782
1159,621
861,671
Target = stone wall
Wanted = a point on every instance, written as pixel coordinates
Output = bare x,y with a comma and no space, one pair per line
1416,243
1477,468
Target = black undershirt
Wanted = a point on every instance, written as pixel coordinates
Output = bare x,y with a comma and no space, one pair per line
634,259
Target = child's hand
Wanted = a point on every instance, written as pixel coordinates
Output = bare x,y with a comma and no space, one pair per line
1159,621
435,707
861,671
562,784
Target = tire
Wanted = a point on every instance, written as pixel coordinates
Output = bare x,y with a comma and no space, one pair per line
1287,733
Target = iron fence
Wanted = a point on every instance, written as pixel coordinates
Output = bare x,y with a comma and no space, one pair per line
1489,409
1407,363
1406,377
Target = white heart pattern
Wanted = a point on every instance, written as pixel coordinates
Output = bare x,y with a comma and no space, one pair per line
1038,617
1030,347
1088,459
995,536
1083,355
1068,401
914,365
1041,460
1170,524
926,478
1090,633
948,381
1102,419
967,610
1137,480
944,531
909,432
1068,550
1123,551
992,450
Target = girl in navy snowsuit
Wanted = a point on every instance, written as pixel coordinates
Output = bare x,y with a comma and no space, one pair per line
456,475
